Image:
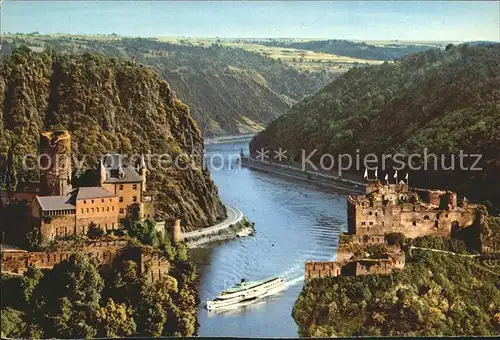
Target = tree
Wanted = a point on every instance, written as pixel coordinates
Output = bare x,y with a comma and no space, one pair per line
11,174
94,231
13,325
150,315
67,298
29,282
115,320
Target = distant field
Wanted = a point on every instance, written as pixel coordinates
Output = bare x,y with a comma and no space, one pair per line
297,58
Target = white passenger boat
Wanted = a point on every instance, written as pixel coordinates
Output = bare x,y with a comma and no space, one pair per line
245,292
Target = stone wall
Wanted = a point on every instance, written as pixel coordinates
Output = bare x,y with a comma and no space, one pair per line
149,262
313,269
153,265
57,226
393,261
375,214
19,261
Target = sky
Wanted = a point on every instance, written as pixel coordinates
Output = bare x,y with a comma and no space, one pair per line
357,20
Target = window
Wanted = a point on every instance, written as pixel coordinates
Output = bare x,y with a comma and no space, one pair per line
92,210
134,187
370,213
371,223
102,200
82,211
108,209
92,201
110,200
121,211
121,199
97,209
112,208
134,199
120,187
363,223
414,222
87,210
84,202
376,214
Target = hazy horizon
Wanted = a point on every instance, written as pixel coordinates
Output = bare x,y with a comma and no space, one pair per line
404,21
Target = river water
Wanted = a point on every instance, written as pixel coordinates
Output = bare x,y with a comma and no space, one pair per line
294,222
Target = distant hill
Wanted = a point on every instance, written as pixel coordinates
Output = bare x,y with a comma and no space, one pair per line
445,101
352,49
229,90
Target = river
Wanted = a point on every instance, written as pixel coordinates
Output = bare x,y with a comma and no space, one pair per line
294,222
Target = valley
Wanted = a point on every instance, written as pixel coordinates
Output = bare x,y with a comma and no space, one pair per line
249,169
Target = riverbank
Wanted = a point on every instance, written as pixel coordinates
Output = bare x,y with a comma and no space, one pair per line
229,139
235,225
241,229
344,186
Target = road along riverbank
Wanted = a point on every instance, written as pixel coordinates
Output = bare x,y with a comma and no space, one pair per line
344,186
235,225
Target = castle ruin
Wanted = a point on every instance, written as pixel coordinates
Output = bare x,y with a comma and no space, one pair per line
393,208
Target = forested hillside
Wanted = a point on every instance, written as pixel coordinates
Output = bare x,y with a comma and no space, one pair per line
442,101
77,299
229,90
108,105
435,295
352,49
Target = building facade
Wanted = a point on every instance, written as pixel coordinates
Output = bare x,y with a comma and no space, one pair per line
59,210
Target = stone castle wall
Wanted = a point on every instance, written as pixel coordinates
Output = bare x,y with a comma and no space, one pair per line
57,226
105,252
415,212
313,269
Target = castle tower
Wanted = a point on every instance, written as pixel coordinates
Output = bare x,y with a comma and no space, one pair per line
102,173
176,231
55,163
142,172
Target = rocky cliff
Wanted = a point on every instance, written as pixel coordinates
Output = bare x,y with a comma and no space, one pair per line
109,105
229,90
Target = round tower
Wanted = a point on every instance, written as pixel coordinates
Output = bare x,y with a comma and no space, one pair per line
55,163
176,231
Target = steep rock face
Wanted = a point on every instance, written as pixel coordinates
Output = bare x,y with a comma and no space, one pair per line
229,90
238,100
109,106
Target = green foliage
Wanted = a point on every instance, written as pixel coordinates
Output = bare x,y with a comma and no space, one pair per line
67,298
435,295
440,243
12,323
145,232
107,105
245,89
94,231
490,234
29,281
395,239
115,320
74,300
434,102
376,251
